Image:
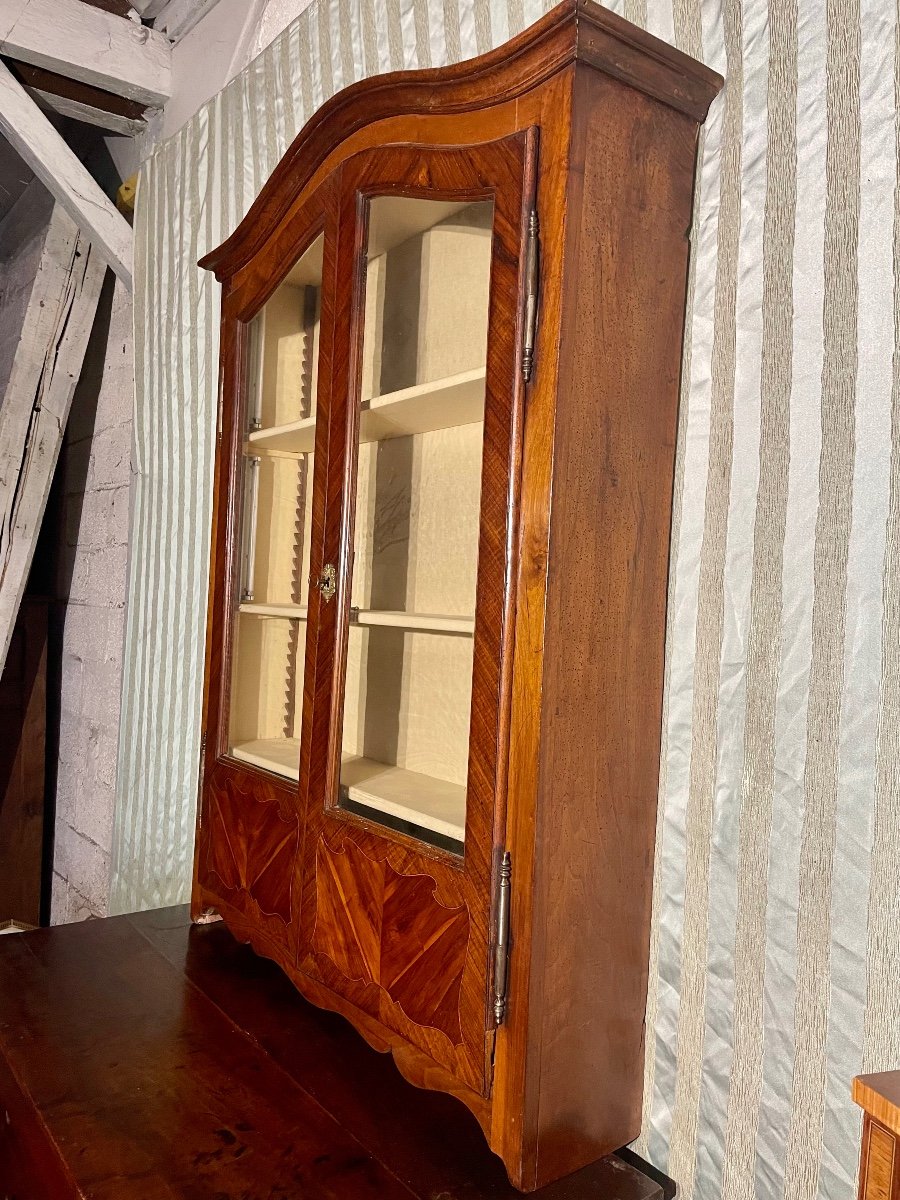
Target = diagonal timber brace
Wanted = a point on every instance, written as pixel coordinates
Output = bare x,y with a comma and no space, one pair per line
38,397
30,133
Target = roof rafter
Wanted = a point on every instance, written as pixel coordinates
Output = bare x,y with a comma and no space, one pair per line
90,45
72,98
61,172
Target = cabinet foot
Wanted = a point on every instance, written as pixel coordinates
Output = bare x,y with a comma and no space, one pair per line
206,916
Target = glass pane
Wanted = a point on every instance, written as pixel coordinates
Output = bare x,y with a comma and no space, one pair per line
270,632
409,662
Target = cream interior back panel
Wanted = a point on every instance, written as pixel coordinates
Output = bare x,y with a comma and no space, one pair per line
290,357
269,651
267,697
407,700
281,565
455,277
443,538
417,522
408,693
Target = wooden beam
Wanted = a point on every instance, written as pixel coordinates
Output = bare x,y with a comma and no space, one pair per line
86,43
67,106
119,7
38,396
81,101
57,167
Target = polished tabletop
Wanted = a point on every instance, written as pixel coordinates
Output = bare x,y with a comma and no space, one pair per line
146,1058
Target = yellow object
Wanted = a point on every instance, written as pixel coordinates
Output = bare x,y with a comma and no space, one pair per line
125,196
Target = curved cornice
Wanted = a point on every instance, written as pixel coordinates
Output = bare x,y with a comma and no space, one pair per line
575,30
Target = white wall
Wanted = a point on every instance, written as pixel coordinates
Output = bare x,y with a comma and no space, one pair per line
207,58
96,483
217,49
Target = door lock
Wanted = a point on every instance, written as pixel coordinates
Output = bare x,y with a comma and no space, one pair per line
327,582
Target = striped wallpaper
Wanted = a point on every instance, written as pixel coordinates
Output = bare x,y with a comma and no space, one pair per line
776,936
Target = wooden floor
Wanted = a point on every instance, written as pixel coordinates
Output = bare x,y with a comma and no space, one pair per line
144,1058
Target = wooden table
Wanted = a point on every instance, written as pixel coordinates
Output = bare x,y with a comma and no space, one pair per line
147,1059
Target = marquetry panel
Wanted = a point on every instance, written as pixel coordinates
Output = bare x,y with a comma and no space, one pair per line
378,926
251,847
879,1174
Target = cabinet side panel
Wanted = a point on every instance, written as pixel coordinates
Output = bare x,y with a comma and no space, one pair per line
631,184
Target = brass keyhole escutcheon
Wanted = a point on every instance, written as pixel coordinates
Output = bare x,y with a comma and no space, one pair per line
327,581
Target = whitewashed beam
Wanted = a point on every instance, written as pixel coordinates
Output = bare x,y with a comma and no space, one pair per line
101,117
35,407
86,43
58,168
178,17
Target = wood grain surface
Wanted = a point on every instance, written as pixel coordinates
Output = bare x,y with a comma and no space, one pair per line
879,1172
143,1057
878,1094
495,170
573,29
394,933
629,205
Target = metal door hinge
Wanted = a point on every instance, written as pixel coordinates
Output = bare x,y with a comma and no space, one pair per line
532,254
200,774
251,512
501,939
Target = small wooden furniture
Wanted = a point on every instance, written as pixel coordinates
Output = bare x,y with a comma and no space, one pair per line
879,1164
142,1058
450,353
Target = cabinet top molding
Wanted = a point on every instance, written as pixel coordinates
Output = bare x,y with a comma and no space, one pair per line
573,31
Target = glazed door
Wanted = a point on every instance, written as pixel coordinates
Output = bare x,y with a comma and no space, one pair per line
405,795
278,332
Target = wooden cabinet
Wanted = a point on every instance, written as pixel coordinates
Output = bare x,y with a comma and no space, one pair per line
451,344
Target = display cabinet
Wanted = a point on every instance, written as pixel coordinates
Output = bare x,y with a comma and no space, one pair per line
451,343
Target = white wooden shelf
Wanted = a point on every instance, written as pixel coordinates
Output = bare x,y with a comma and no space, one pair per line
421,800
441,404
296,612
416,622
281,755
296,437
255,450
